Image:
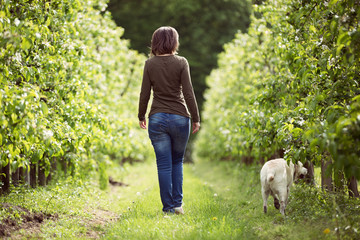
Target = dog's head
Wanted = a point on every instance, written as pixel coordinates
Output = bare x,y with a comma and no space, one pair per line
300,171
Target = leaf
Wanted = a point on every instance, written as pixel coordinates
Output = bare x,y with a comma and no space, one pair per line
332,2
344,38
14,117
338,49
14,164
44,108
320,97
31,94
313,143
296,132
48,21
312,28
10,147
25,44
26,146
357,98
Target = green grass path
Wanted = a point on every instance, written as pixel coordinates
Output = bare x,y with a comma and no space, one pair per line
222,201
208,214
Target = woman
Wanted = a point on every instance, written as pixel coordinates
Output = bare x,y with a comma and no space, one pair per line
169,119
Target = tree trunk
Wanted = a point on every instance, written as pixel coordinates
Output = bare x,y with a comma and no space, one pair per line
41,173
339,181
21,175
53,169
15,177
63,165
27,175
310,176
248,159
33,175
5,179
277,154
353,187
326,179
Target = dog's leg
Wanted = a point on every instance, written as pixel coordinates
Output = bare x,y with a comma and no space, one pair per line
287,196
282,198
276,200
276,203
265,195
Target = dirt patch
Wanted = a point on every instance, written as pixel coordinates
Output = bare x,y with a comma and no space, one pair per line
97,223
21,218
117,183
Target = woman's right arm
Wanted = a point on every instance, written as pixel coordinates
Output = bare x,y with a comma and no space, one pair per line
189,94
195,127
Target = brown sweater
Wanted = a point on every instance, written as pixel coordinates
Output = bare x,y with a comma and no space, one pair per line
169,77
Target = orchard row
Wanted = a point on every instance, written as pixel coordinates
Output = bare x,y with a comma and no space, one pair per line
290,88
68,88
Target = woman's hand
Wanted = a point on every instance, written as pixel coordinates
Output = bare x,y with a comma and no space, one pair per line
142,124
195,127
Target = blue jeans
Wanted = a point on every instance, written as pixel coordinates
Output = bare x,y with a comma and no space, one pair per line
169,134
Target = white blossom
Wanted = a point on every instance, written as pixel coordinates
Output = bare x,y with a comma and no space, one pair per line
17,57
16,22
47,134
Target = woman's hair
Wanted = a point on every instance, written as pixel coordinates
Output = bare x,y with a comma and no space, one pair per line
165,40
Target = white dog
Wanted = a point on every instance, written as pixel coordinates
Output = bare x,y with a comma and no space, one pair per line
276,178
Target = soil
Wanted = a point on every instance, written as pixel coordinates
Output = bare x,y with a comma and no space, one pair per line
28,220
101,218
20,218
116,183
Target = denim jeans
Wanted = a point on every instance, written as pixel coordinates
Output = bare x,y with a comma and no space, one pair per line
169,134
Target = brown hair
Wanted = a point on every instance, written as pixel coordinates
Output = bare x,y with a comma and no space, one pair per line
165,40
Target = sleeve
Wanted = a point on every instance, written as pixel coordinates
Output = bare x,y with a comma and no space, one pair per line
188,93
144,94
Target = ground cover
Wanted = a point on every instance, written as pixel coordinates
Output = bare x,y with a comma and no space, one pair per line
71,208
222,201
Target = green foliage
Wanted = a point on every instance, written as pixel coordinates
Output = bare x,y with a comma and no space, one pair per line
291,84
203,25
103,177
68,85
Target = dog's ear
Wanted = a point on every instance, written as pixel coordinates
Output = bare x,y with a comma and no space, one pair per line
291,165
300,164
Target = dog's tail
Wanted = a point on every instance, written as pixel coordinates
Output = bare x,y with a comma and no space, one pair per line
270,177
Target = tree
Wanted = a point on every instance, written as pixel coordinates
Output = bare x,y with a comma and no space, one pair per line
291,83
68,84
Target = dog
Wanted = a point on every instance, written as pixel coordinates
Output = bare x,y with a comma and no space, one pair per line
276,179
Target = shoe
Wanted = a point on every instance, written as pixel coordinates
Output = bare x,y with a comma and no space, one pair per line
169,212
179,210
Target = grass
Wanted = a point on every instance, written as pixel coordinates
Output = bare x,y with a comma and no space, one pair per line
207,216
80,209
222,201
